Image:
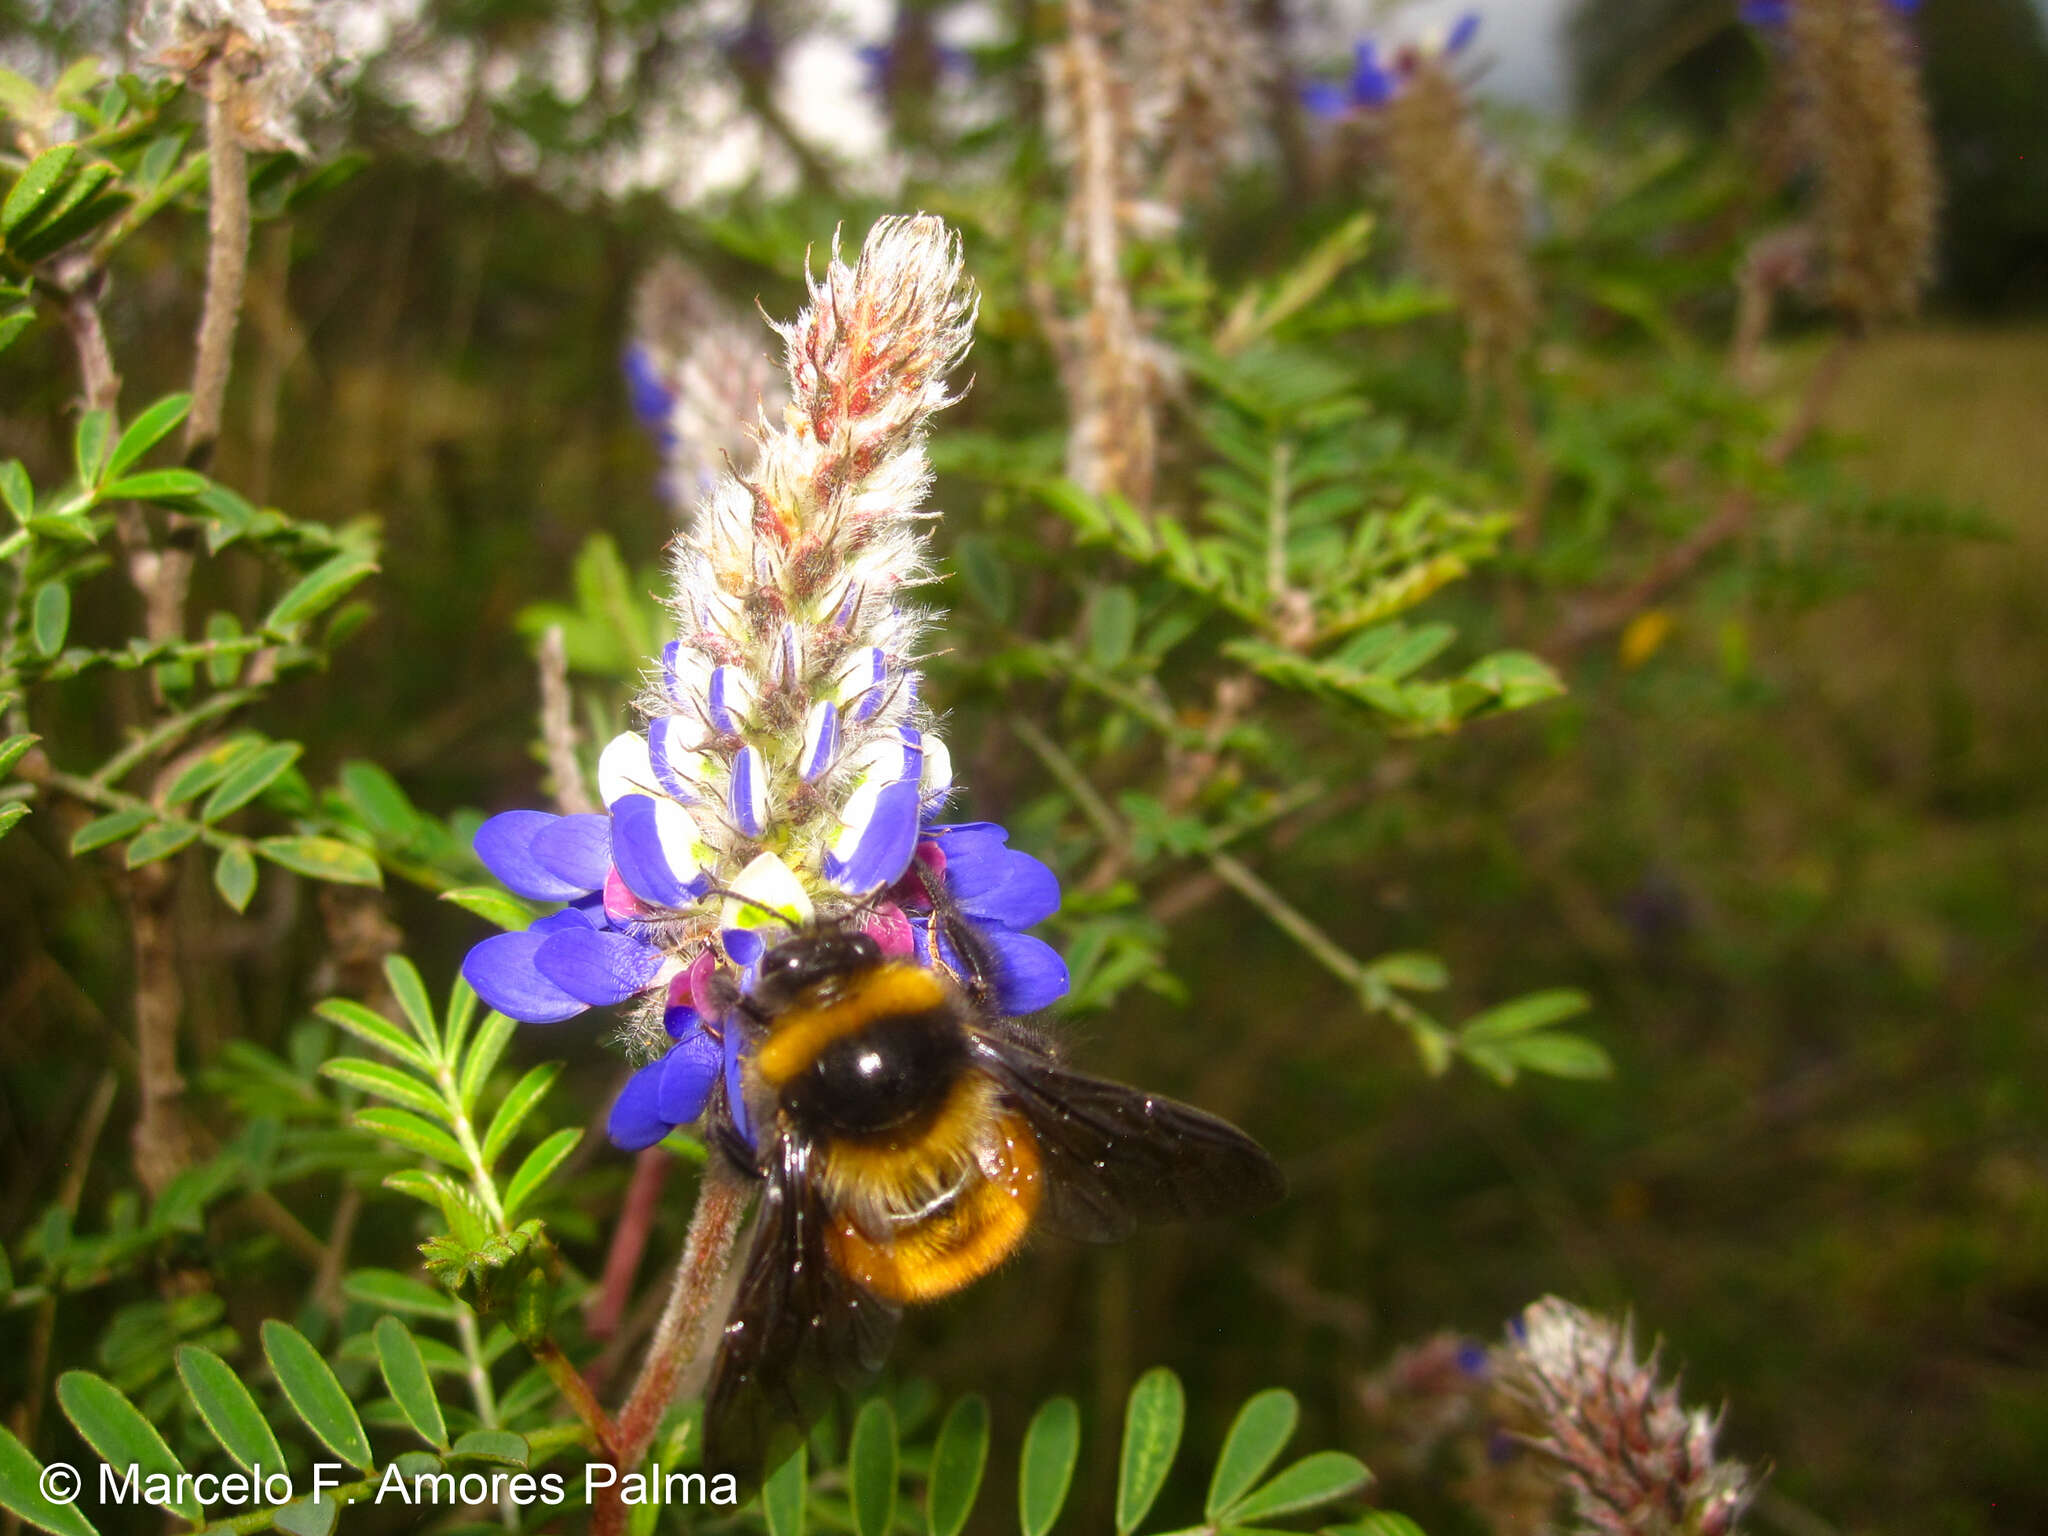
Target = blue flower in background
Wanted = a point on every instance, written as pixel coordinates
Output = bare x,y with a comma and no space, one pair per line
1374,81
1775,13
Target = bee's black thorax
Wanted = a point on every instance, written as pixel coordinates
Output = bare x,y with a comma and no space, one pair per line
890,1074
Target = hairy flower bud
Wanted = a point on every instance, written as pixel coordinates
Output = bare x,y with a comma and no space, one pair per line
698,374
1636,1460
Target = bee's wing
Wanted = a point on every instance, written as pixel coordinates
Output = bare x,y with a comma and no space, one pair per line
797,1326
1116,1157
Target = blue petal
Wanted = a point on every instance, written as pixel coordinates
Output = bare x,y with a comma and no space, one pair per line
1463,33
1324,100
885,846
1030,974
735,1088
651,398
680,1019
598,968
652,871
743,946
636,1118
1014,890
688,1071
505,844
577,849
502,973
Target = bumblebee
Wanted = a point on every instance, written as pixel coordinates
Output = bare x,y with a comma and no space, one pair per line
908,1137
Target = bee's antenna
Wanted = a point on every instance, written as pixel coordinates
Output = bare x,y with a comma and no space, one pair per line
761,906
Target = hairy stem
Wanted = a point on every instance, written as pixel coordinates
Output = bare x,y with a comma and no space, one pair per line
629,1242
227,268
714,1228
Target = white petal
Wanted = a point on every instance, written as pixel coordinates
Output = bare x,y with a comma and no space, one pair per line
773,885
623,768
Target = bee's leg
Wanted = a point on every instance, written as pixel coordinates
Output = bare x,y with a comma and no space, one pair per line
978,959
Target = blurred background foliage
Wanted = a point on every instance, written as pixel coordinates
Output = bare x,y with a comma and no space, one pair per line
1786,829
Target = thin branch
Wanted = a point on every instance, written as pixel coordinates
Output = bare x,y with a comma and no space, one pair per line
227,269
629,1242
558,725
1602,615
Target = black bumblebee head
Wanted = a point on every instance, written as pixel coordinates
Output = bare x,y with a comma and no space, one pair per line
796,965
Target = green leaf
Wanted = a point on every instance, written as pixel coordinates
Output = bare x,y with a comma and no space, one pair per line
228,1408
534,1171
94,428
1412,971
172,485
405,1373
1315,1479
1519,678
495,1445
1524,1014
519,1103
1558,1053
375,796
1046,1468
11,813
959,1457
319,588
410,1130
146,431
210,767
493,906
16,490
306,1517
411,992
1153,1420
1375,1522
477,1061
21,1491
160,842
782,1495
234,876
871,1469
1258,1434
37,188
387,1083
322,858
111,828
314,1393
51,618
393,1292
13,324
369,1025
116,1429
249,777
12,749
223,667
1112,627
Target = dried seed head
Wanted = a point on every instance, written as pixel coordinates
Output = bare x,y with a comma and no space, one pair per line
263,58
1637,1462
1197,66
1459,207
1863,123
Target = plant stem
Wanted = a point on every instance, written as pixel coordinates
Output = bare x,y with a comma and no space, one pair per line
227,267
558,726
714,1227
